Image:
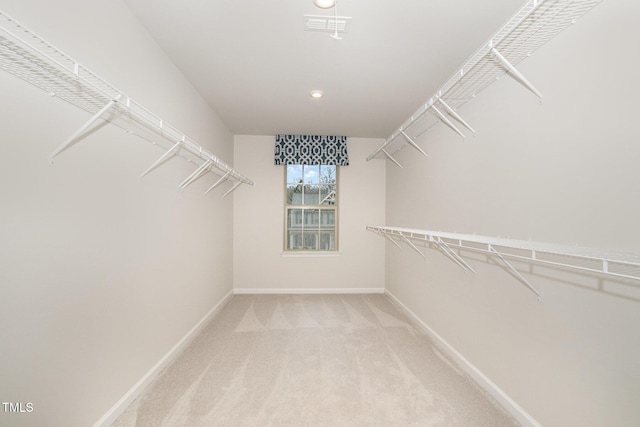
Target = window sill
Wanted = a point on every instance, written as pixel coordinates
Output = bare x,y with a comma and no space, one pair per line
309,254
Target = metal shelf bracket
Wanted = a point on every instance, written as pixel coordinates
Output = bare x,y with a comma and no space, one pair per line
413,143
514,73
386,236
236,185
218,182
84,129
391,240
446,121
452,255
199,172
515,272
410,243
171,151
391,158
455,115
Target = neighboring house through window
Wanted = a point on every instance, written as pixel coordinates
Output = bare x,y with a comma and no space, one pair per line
311,189
311,208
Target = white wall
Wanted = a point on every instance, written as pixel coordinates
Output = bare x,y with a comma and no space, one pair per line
259,222
100,274
565,172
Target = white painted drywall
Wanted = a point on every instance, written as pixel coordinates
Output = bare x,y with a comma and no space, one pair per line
100,274
259,222
566,172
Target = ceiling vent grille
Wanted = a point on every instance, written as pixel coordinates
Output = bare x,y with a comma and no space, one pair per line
327,24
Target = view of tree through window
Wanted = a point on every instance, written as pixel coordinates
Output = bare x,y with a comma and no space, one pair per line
311,207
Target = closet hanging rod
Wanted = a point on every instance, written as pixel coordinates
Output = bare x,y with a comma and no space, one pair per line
531,27
31,58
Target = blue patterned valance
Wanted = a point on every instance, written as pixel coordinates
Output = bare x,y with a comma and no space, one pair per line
311,150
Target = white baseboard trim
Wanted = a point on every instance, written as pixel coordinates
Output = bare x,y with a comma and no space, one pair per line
515,410
122,404
294,291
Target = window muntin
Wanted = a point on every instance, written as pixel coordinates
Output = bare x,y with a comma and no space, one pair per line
311,208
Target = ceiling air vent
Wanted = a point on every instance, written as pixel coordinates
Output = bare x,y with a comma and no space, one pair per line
327,24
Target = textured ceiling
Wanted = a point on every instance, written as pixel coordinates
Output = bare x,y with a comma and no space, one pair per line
255,64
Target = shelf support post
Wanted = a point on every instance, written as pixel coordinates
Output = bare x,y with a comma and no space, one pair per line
391,158
375,153
516,272
218,182
391,240
514,73
410,243
164,157
79,134
446,121
386,236
453,255
455,115
195,175
413,143
236,185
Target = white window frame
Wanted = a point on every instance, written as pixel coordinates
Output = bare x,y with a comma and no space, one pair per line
317,225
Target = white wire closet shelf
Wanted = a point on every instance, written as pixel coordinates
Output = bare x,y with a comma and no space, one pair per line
620,264
534,25
29,57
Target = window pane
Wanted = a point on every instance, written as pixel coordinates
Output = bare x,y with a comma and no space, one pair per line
310,239
311,218
294,174
294,194
328,174
294,219
328,194
294,240
328,219
311,194
311,174
327,240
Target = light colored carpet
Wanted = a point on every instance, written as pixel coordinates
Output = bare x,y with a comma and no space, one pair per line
312,360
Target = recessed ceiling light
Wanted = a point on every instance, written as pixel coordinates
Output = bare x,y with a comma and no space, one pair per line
324,4
316,94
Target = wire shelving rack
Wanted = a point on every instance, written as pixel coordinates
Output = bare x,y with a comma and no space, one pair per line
33,59
531,27
619,264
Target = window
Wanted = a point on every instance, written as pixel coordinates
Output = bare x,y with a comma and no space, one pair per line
311,191
311,208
